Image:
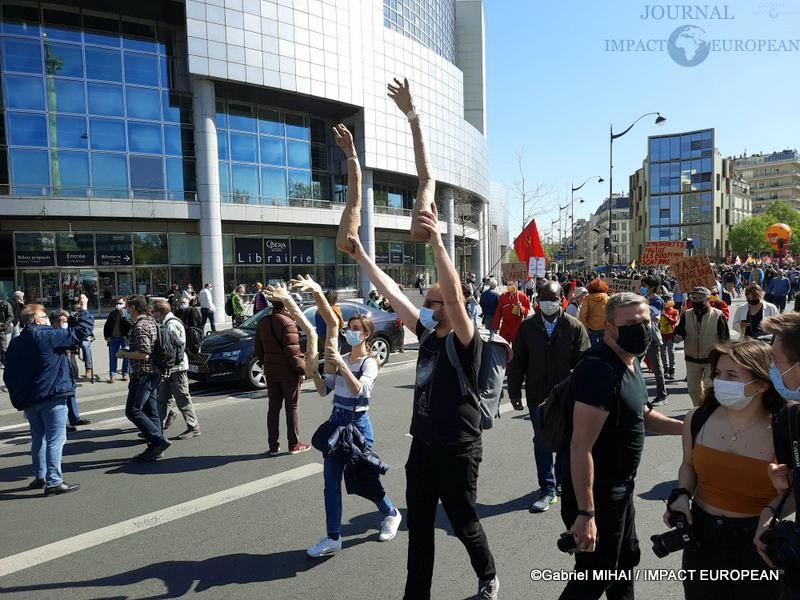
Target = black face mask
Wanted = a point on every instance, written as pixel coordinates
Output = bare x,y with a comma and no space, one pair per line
700,307
634,339
753,301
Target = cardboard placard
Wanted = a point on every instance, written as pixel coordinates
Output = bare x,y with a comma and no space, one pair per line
618,285
693,271
660,254
514,272
536,266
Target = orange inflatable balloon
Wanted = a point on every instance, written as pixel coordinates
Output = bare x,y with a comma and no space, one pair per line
779,235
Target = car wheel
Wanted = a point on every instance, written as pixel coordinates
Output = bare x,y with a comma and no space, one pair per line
381,348
254,374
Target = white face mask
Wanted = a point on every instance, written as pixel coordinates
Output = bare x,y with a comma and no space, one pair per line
64,325
549,307
184,305
730,394
120,307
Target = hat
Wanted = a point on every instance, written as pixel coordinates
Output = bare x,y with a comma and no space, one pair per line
700,290
580,291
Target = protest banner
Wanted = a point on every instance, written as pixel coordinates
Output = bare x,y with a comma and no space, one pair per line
660,254
536,266
618,285
693,271
514,272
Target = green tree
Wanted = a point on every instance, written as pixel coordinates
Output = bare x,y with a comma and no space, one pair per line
751,234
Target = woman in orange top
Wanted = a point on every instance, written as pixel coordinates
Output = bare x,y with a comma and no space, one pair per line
724,473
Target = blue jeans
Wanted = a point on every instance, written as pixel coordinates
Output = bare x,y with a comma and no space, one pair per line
333,470
73,413
87,354
543,457
48,421
141,407
114,345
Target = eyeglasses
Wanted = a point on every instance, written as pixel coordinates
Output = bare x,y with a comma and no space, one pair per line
429,303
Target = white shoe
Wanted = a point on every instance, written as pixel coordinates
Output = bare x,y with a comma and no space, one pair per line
325,547
389,527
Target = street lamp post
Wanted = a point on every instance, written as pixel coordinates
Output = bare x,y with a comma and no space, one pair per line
572,207
563,246
611,137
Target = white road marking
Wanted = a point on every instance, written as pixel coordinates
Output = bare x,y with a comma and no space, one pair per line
43,554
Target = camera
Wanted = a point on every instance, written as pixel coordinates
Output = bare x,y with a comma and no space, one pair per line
566,543
681,537
783,544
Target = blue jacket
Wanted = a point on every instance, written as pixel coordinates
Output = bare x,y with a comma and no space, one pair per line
778,286
489,301
37,367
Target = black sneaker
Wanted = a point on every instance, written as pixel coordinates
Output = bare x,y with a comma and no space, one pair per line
168,421
153,452
659,402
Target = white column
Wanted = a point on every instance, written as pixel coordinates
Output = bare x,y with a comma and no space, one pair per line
366,232
205,143
449,208
478,257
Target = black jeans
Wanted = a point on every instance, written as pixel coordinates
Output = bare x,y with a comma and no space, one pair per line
725,544
449,473
208,315
617,545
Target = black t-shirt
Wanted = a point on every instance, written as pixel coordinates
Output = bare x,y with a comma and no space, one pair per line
618,448
755,323
441,414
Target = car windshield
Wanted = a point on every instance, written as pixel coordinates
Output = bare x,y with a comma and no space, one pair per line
251,323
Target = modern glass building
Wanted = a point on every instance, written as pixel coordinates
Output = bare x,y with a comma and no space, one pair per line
685,191
186,142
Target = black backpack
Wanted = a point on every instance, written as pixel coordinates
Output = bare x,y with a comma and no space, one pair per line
194,339
167,352
552,419
229,305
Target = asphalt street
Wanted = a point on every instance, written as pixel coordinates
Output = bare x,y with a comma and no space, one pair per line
217,517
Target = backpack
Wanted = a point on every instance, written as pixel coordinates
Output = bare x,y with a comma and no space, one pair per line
552,419
6,313
229,305
194,338
496,354
167,352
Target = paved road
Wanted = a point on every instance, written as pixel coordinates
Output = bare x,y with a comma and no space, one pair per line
217,517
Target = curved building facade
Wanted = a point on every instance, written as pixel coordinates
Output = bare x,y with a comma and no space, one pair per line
190,141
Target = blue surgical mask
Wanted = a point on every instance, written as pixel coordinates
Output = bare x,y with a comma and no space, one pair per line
644,291
777,381
352,337
426,318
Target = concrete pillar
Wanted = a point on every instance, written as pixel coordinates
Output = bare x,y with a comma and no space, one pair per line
205,144
449,209
478,252
366,232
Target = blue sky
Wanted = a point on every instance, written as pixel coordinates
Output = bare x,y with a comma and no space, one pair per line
553,90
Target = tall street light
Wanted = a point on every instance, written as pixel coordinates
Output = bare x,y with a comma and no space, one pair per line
572,206
613,136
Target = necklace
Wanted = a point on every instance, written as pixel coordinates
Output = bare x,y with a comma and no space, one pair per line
736,432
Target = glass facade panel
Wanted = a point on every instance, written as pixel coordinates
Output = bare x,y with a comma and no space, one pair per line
184,249
26,129
222,145
241,117
23,56
69,96
150,249
270,122
273,185
30,171
73,174
299,184
60,25
141,69
143,103
109,175
243,147
106,100
146,174
180,177
103,64
21,20
272,151
64,60
245,184
70,132
22,92
101,31
107,134
297,126
145,138
299,155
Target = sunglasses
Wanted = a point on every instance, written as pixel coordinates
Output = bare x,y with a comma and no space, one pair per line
430,303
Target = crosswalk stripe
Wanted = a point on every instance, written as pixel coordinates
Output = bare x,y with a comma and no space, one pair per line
43,554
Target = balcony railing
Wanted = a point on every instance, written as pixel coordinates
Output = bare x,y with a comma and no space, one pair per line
90,193
392,210
251,200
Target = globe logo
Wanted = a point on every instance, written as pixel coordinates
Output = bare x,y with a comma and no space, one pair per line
688,46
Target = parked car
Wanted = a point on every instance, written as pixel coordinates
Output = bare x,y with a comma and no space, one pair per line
229,356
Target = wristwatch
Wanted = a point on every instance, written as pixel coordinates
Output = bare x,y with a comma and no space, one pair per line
586,513
677,493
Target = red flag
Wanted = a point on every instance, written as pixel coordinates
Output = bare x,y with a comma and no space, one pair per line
527,243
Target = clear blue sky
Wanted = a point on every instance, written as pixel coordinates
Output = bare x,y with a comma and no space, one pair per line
553,90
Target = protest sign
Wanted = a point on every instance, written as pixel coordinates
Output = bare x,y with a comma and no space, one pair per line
693,271
514,272
660,254
618,285
536,266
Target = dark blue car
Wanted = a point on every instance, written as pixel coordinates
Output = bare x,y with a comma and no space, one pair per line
229,356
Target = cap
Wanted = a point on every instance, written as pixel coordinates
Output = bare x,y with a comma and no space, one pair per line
580,291
701,290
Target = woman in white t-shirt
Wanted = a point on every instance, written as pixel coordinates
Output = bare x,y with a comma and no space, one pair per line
351,385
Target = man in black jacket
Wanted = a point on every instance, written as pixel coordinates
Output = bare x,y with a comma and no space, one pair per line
189,315
116,330
40,381
547,348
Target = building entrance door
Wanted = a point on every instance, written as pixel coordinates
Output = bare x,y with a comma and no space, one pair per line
77,282
42,287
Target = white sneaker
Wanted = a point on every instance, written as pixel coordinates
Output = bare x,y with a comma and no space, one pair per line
389,527
325,547
488,590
